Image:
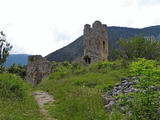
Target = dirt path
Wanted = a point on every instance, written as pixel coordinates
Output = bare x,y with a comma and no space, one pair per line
43,98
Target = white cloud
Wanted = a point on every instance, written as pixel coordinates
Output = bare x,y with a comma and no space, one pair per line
43,26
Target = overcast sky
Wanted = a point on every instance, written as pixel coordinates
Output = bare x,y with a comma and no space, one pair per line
43,26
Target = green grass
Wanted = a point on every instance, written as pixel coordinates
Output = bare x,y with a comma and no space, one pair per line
76,89
16,100
78,96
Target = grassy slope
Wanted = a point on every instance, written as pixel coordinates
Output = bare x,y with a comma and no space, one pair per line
15,107
78,96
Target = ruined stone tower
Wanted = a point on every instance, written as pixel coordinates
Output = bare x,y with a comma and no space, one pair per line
95,42
38,69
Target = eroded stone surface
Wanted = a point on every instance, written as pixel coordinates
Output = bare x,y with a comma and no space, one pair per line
95,42
38,69
42,98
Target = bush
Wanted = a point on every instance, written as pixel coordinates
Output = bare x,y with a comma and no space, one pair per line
105,66
137,47
11,86
62,69
18,70
107,87
2,69
145,103
16,99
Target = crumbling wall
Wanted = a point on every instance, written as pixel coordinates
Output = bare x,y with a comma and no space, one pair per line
38,68
95,42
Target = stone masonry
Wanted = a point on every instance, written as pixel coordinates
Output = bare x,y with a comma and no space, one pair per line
38,69
127,86
95,42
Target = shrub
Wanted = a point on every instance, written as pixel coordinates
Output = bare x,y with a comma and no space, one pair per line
145,103
2,69
62,69
16,99
11,86
107,87
18,70
105,66
137,47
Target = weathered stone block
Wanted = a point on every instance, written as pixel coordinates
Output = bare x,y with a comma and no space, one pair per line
38,69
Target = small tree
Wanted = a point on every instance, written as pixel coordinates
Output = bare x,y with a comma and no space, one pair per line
5,47
137,47
18,70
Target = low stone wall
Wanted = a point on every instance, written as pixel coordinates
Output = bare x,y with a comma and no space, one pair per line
126,86
38,68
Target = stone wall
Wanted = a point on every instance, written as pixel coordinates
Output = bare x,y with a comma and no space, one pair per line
113,97
38,69
95,42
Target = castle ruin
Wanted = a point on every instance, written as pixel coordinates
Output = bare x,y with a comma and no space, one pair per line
38,69
95,42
